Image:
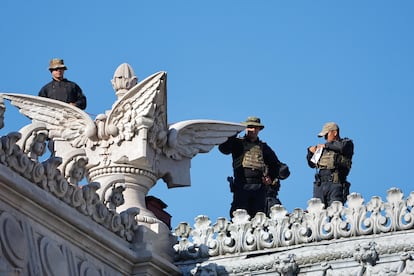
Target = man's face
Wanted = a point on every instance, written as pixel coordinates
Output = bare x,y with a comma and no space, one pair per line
331,135
58,73
252,132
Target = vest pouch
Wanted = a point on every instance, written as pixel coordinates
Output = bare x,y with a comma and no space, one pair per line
253,158
327,160
344,162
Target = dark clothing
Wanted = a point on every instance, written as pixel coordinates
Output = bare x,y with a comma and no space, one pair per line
250,197
272,198
328,192
65,91
330,181
249,192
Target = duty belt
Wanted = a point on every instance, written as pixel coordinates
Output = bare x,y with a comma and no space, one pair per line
329,176
255,180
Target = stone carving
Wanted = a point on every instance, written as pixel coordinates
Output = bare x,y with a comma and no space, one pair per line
114,197
284,264
132,142
47,176
406,266
366,254
13,242
124,79
245,234
53,259
75,169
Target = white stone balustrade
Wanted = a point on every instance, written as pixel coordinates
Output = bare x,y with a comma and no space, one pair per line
281,229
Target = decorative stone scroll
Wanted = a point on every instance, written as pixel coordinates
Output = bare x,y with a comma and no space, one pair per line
282,229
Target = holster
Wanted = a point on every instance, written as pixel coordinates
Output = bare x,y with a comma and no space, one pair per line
345,189
317,180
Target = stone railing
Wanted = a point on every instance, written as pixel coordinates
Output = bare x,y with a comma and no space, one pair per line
283,229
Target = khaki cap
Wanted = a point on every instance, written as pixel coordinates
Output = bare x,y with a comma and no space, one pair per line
328,127
253,121
57,63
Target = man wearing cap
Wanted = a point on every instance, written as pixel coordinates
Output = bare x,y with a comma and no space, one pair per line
62,89
332,161
256,170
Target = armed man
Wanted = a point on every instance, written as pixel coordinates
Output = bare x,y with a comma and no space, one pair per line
256,170
332,161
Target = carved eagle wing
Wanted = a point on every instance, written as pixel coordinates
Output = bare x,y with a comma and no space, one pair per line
62,120
188,138
145,103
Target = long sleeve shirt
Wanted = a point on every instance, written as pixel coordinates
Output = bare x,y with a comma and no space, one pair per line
344,147
65,91
236,147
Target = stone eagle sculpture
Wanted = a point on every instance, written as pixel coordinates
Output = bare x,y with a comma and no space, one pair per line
133,138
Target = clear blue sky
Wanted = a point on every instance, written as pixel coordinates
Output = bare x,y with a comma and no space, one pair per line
295,64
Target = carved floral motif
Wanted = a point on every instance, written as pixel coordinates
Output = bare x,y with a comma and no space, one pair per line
280,229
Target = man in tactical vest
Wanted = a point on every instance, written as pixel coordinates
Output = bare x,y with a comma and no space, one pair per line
256,170
332,161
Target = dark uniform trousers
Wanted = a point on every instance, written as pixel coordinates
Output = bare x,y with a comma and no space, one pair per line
325,189
249,196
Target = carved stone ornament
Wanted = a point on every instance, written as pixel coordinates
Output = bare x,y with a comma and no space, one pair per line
132,144
281,229
47,176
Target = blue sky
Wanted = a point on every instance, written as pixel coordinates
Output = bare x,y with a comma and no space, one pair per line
295,64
